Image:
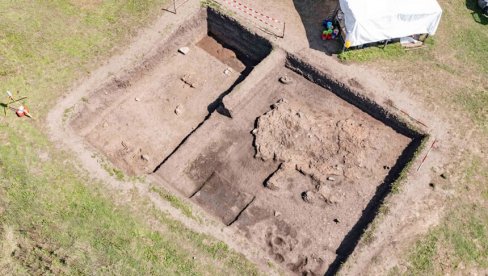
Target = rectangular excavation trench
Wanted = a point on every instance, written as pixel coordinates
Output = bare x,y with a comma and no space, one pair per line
141,116
203,124
382,114
217,166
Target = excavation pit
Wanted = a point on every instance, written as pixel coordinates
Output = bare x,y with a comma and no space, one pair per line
294,160
296,166
140,117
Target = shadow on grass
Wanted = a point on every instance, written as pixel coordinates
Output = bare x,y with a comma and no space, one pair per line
312,13
477,13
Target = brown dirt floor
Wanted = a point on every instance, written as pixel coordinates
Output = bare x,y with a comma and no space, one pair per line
281,220
154,113
221,152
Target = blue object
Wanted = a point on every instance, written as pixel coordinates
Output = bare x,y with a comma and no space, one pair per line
326,22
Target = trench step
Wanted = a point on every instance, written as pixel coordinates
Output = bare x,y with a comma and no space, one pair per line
218,197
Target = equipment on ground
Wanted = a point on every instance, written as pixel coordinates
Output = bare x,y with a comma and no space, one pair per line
21,111
483,4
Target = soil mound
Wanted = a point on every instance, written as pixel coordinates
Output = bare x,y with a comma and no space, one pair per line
318,148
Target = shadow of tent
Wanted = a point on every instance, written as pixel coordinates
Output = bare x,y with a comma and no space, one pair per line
312,13
476,13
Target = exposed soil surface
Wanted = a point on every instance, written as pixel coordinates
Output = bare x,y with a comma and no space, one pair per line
316,164
225,55
291,167
322,150
140,120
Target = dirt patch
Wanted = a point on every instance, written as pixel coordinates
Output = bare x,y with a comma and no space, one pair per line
322,150
218,197
225,55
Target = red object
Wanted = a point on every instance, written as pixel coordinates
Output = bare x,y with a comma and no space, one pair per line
22,111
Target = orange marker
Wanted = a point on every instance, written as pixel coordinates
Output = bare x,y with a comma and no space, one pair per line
23,111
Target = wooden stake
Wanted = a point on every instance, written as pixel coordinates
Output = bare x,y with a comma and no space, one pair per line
427,154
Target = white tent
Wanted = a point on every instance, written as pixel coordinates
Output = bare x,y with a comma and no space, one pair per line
369,21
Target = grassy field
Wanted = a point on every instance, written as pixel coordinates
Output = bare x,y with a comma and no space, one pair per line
54,219
451,76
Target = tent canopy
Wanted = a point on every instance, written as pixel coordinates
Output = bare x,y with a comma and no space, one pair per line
377,20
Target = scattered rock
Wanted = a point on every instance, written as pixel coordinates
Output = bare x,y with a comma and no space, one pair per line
308,196
432,185
227,71
105,124
137,99
328,195
336,220
145,157
444,175
272,186
286,80
188,80
277,214
279,102
282,100
330,178
178,110
333,199
314,148
254,131
386,167
194,258
184,50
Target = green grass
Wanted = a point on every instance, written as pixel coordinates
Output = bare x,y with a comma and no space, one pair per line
463,41
397,185
54,219
118,174
45,45
475,102
175,202
215,249
394,50
421,257
48,205
462,235
210,4
450,77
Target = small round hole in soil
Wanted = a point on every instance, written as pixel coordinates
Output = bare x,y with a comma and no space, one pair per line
278,241
279,258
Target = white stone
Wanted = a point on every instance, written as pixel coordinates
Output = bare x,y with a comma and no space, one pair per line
184,50
178,110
